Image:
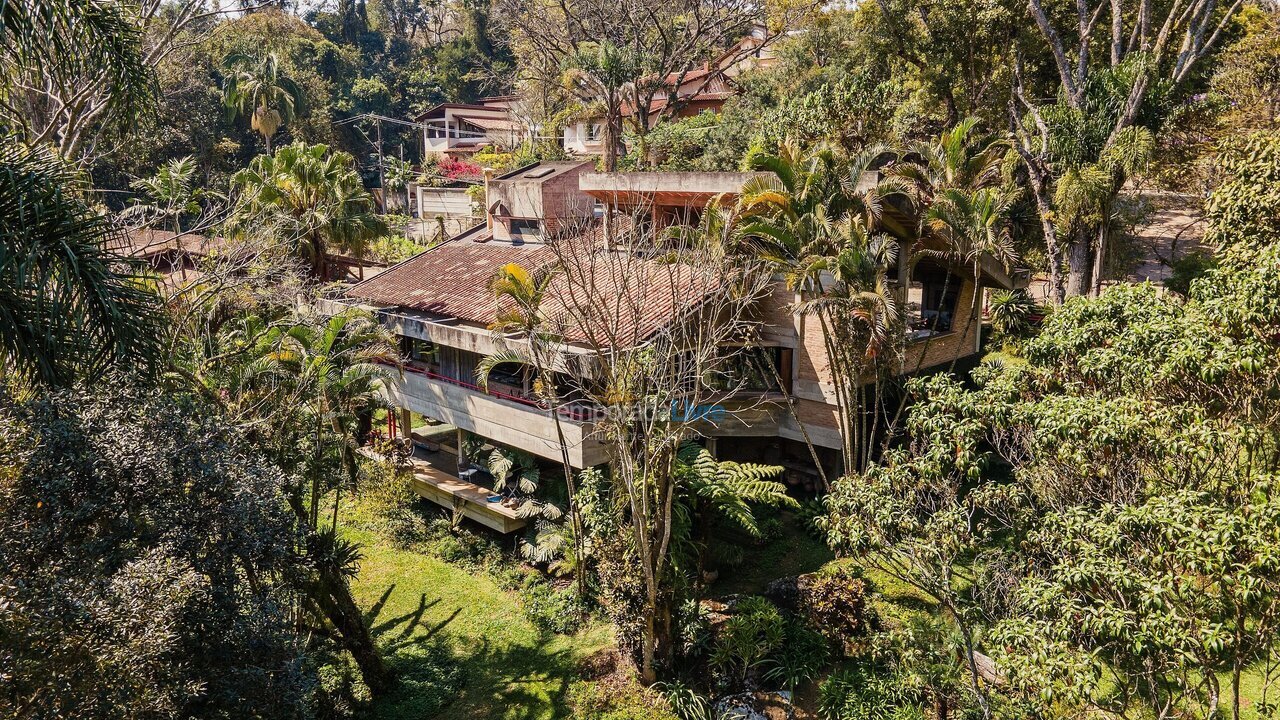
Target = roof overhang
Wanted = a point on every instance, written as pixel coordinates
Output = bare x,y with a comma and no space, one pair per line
690,189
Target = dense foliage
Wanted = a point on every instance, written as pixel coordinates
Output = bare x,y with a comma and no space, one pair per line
150,563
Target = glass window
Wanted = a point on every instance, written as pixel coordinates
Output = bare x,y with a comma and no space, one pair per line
418,350
931,302
753,369
524,226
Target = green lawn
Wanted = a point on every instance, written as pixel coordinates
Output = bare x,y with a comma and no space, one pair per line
508,668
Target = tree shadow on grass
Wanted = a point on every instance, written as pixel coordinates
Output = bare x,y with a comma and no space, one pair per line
463,679
524,682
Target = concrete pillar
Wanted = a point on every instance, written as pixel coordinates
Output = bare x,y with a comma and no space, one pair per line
462,454
711,446
404,419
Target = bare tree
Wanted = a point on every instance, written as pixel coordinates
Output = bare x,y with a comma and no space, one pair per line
664,326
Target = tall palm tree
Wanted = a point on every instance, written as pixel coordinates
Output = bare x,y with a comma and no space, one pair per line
335,364
297,385
309,197
257,86
600,72
960,159
69,306
815,220
976,225
520,294
338,366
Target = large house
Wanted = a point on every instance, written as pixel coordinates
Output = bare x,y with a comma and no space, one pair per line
441,306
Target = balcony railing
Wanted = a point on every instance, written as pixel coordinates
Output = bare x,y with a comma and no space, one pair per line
576,411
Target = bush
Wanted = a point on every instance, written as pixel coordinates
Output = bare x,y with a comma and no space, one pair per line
865,694
804,654
834,602
747,638
391,507
552,610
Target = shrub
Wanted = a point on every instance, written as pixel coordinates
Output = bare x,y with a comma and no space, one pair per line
390,503
862,693
804,654
747,638
550,609
834,602
685,702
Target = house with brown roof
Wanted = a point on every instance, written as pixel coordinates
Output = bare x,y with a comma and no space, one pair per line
464,128
683,94
441,306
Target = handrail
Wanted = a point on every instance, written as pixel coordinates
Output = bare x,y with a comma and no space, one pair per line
565,410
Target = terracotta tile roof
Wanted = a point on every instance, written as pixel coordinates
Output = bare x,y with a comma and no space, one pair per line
491,123
148,242
598,296
451,279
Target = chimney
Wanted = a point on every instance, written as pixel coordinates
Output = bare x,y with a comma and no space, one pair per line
488,202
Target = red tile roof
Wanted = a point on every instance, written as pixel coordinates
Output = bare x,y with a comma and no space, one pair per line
598,296
148,242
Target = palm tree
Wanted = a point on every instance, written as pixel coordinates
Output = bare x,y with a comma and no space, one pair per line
298,386
958,159
816,220
169,196
324,375
339,367
312,198
256,85
520,294
976,226
69,306
600,72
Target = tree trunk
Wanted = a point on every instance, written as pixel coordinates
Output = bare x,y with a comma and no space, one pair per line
1080,263
333,596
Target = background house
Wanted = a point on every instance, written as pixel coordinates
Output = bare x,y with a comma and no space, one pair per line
462,129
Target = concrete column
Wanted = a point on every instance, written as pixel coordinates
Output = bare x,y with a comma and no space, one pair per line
711,446
462,455
404,419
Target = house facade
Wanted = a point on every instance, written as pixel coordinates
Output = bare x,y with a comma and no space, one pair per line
461,129
441,306
700,89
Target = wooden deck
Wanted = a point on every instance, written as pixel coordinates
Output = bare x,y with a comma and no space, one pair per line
451,492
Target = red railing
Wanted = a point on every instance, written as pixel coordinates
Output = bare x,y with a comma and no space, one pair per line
569,411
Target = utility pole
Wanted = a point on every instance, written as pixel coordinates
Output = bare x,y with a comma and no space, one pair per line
408,196
382,184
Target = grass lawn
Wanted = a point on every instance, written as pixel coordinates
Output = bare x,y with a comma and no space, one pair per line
508,668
